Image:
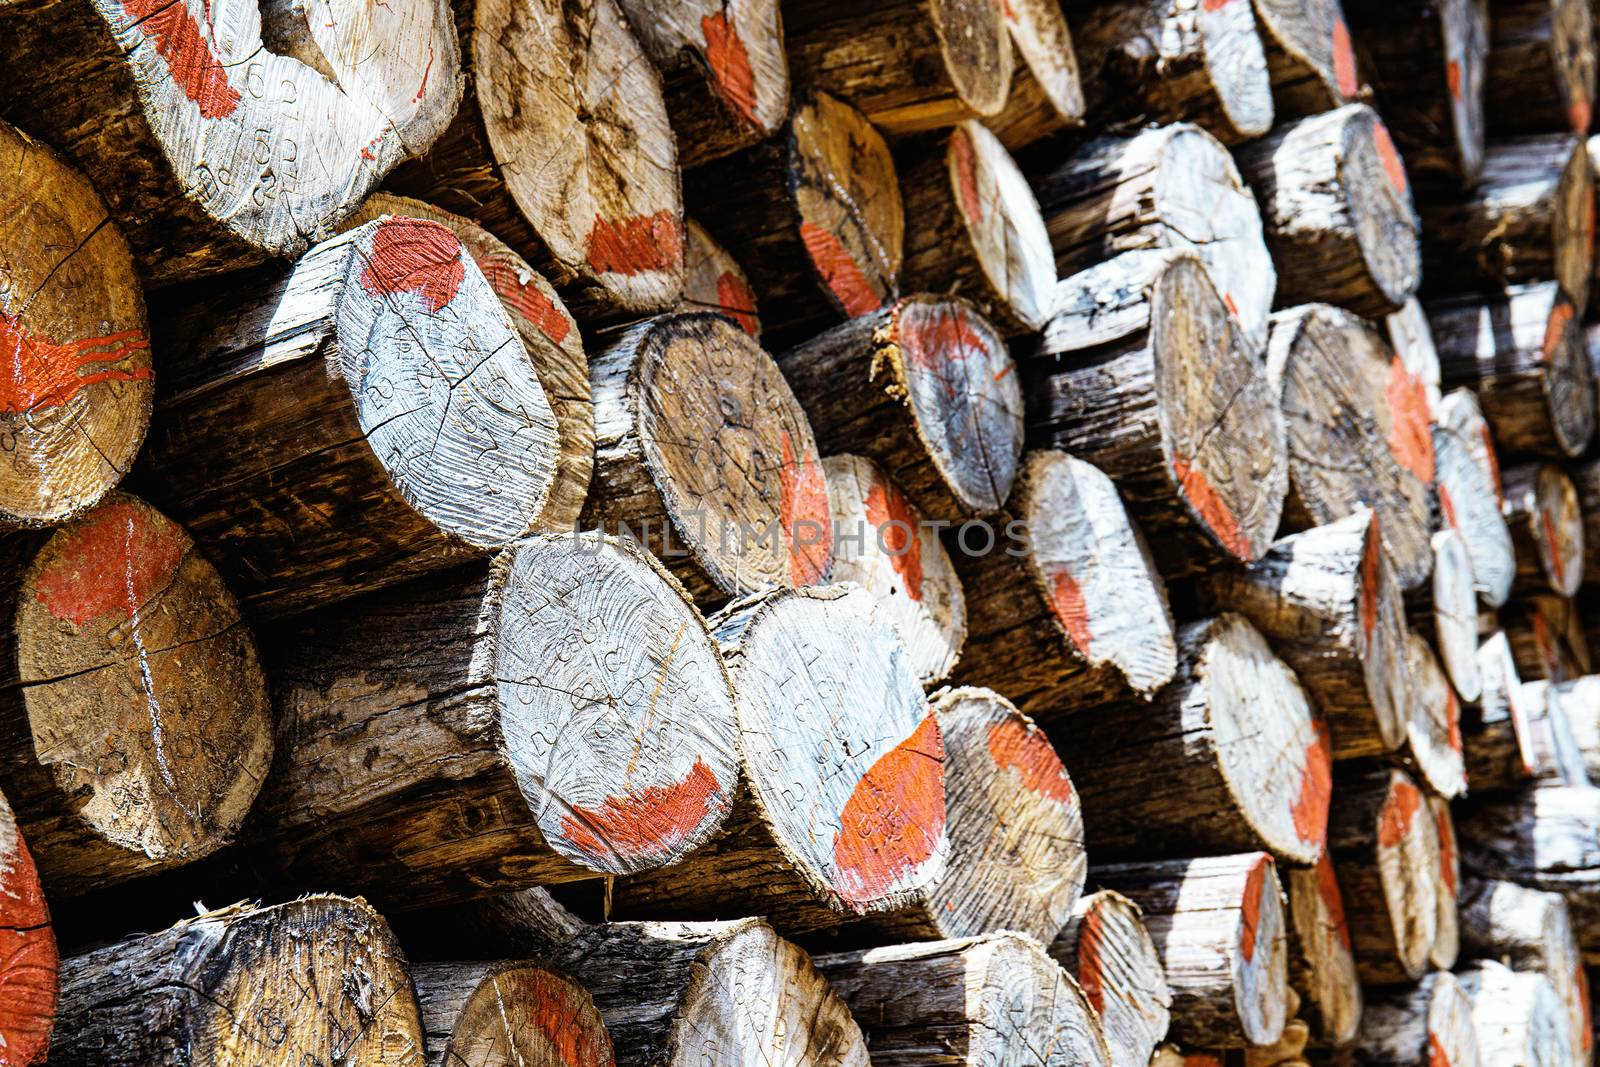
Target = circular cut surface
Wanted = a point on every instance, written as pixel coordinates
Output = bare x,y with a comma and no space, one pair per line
615,710
1043,41
713,281
1121,975
28,957
1465,25
144,695
1559,525
1433,721
1003,221
1025,1011
1568,377
976,46
1447,939
1408,868
1572,227
1315,33
1261,955
75,377
1236,62
1455,613
1468,486
1316,913
525,1016
1379,195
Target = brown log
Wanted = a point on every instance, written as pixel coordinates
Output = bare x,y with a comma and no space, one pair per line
1430,1022
1449,614
1546,636
1434,744
843,817
1322,966
1358,429
329,430
1523,353
441,740
1106,947
1471,498
1546,524
1519,1017
1336,204
1541,71
1168,187
714,281
28,949
1046,94
1065,610
136,720
883,544
510,1013
1244,763
562,148
1145,374
1310,55
1447,937
977,229
1328,602
924,386
318,980
705,456
229,132
1219,926
76,390
1586,480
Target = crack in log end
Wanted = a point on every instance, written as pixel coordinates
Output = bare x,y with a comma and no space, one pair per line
1310,811
176,36
649,244
1066,600
1411,426
1018,745
730,67
38,372
1344,61
803,511
893,825
114,560
839,271
1212,509
414,256
29,963
895,524
737,300
648,823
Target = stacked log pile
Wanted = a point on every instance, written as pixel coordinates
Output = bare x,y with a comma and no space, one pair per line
586,532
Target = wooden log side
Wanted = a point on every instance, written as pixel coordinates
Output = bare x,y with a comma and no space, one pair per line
508,1012
1541,71
1429,1022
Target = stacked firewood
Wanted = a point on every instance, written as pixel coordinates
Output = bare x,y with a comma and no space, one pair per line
586,532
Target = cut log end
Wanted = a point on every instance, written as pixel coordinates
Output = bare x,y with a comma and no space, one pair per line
1433,721
28,949
1404,850
516,1013
1455,614
1322,967
1467,483
975,43
1447,938
1043,42
1429,1022
1380,207
1309,55
714,281
1108,949
1518,1017
1546,520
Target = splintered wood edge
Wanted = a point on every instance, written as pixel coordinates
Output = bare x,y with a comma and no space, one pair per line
1455,613
714,281
1433,721
530,1016
28,949
1316,915
1407,860
1120,972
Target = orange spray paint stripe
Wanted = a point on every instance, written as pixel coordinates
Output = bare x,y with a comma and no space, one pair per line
426,71
1447,848
414,256
1255,886
896,530
1389,156
893,822
1578,114
1201,1059
1558,563
934,342
1310,811
1452,719
1452,75
1066,600
966,175
1332,900
647,822
29,963
1399,810
182,45
803,502
1215,5
730,66
525,298
1211,508
1090,978
1015,745
644,244
1448,508
736,300
554,1009
1555,329
839,271
1437,1056
39,372
1344,60
1585,1009
111,561
1410,429
1369,579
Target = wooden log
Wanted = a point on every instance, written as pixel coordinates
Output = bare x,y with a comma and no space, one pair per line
1358,431
1586,480
1541,69
1471,499
549,333
1046,94
1245,765
1546,523
725,79
136,722
1447,937
1519,1017
522,924
1219,926
367,416
1328,602
1322,967
76,390
1385,850
242,130
813,215
705,456
1336,205
1167,187
1580,702
1523,353
28,949
883,544
1434,744
1144,373
1546,635
714,281
924,386
563,149
1413,342
1311,58
1107,948
843,817
317,980
1177,61
1425,60
1450,614
1566,759
978,230
908,65
1508,741
1429,1022
1068,611
442,740
511,1012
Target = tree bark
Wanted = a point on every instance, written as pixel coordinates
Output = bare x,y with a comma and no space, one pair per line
843,816
1106,947
1220,928
1310,56
1524,354
444,740
1322,966
512,1013
1046,94
705,456
1065,611
1546,523
563,149
1144,373
981,1000
1429,1022
924,386
1471,497
1449,614
1336,205
317,980
714,281
1541,69
134,714
1447,938
1359,431
1519,1017
232,141
29,972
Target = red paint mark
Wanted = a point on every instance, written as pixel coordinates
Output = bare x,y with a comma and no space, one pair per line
1437,1056
1447,847
366,149
896,524
1000,374
1344,60
1212,509
840,272
112,560
1578,114
1332,901
1369,579
1066,598
1410,429
28,962
1452,720
1255,888
803,507
647,822
932,342
414,256
1090,979
1310,811
427,70
554,1007
1555,330
1399,809
1389,156
1233,309
1215,5
1585,1011
524,298
40,372
736,300
1201,1059
1547,648
894,820
1452,77
966,175
1547,527
1448,507
181,43
730,66
1016,745
640,245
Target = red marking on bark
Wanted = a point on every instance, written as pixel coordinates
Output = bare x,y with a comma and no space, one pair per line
1332,900
840,272
1344,60
1066,598
1578,114
1389,156
39,372
1255,887
933,342
894,820
1447,847
1493,459
427,70
886,505
730,66
640,245
646,822
1399,810
525,298
1452,720
1090,933
966,175
1448,508
555,1007
803,508
182,45
1369,578
1212,509
1452,77
1585,1011
1016,745
112,560
1558,563
1555,330
1310,811
1437,1056
1410,427
738,301
28,962
414,256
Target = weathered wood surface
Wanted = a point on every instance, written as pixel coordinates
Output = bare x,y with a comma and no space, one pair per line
1508,736
508,1013
1107,948
1519,1017
1413,342
1322,966
1448,614
1471,497
1547,526
1580,701
1430,1022
29,963
1046,94
1434,744
714,281
1547,638
1446,948
1585,477
1541,69
1310,55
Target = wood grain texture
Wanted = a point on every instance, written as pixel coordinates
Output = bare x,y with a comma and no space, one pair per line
1519,1018
1322,966
1547,637
1541,69
1470,493
1429,1022
1446,948
1434,742
1413,342
1310,55
1107,948
1546,521
1450,617
482,1014
1046,93
714,281
1580,700
1512,737
29,963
